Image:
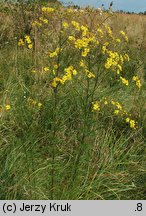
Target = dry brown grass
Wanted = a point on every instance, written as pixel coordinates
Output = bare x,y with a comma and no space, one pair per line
133,24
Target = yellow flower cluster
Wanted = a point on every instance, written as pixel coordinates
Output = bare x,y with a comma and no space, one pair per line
131,122
114,60
118,40
65,25
55,82
95,106
117,110
117,104
124,81
84,30
85,52
124,35
120,111
45,21
36,23
100,32
108,30
84,42
82,63
76,25
7,107
126,57
48,9
46,69
69,72
20,42
71,38
33,71
137,81
55,53
81,43
28,41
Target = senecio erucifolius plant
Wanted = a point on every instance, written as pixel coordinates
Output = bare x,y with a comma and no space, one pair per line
80,52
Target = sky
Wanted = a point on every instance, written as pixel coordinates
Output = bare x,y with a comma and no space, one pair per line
126,5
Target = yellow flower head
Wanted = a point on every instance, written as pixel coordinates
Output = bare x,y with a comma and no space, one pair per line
127,120
48,9
116,112
33,71
7,107
124,81
95,106
46,69
27,39
39,105
76,25
105,102
137,80
132,124
55,53
71,38
85,52
82,63
20,42
118,40
30,46
65,24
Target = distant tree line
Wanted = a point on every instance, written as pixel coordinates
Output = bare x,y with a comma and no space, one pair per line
128,12
30,1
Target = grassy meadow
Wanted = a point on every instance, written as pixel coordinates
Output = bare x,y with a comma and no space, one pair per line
72,103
